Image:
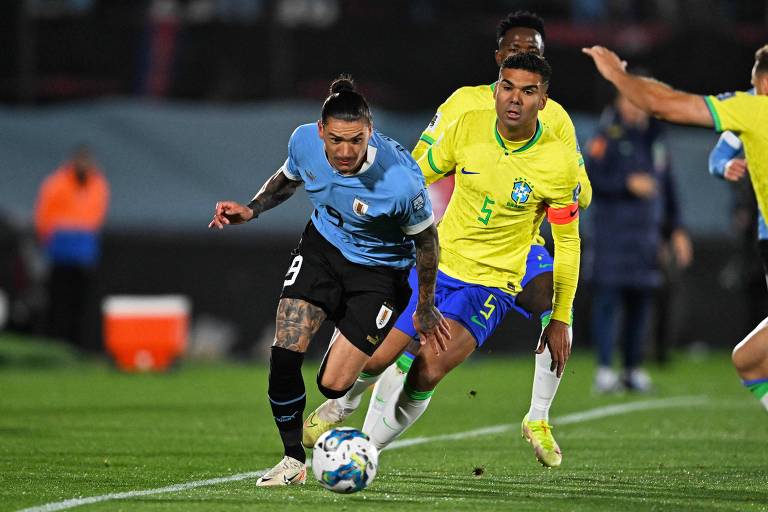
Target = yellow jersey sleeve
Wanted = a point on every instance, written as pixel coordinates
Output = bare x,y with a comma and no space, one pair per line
439,160
563,216
460,101
561,124
737,112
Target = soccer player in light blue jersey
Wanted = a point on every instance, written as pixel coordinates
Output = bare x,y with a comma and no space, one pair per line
372,221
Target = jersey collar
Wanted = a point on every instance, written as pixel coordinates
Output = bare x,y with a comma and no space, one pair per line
533,140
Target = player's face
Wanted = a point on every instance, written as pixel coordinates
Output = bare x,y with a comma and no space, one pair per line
518,40
520,95
346,143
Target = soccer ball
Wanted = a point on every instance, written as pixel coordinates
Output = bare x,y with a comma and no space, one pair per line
344,460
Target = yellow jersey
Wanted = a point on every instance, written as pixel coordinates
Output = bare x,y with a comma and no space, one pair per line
747,116
480,97
503,191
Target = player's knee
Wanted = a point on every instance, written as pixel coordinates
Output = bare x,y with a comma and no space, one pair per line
536,297
741,359
427,377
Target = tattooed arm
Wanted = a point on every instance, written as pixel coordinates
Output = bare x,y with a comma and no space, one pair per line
428,321
277,189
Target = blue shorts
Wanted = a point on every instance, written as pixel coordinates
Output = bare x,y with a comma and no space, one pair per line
480,309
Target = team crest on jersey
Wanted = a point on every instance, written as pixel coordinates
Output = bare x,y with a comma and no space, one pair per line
385,313
521,191
359,207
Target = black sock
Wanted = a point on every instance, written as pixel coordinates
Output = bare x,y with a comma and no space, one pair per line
287,398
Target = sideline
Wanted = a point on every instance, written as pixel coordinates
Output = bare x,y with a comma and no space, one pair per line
568,419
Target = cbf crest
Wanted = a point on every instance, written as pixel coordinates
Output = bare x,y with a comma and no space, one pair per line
521,191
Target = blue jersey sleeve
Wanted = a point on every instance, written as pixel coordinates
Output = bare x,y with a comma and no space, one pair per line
414,209
727,148
291,166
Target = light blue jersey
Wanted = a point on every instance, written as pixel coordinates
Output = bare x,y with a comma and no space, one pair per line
367,215
728,147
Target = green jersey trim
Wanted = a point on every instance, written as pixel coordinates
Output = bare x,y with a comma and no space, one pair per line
533,140
713,113
432,163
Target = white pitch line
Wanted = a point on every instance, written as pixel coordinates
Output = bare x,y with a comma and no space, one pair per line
578,417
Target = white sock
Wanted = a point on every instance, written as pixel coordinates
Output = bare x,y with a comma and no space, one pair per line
391,381
399,413
764,401
340,408
545,383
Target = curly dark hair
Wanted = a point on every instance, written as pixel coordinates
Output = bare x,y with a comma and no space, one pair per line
525,19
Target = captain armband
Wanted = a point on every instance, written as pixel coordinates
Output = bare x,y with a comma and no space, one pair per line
564,215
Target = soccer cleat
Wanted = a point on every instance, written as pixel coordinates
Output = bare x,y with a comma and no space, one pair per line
539,434
606,381
314,427
288,471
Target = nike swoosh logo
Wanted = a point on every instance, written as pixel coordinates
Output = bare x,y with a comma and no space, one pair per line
464,171
574,212
478,322
545,265
311,421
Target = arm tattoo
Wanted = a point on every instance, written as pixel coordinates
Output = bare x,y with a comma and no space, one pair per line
277,189
427,259
297,321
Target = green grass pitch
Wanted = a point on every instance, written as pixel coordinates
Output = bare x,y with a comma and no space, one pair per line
80,429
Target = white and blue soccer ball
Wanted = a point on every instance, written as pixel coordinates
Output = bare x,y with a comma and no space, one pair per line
344,460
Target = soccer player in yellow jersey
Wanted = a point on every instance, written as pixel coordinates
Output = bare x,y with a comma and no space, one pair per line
742,113
511,173
519,32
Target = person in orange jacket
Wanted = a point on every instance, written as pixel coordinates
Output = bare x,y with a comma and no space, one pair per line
69,215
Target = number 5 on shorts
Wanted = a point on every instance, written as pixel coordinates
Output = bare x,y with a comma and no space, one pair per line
293,270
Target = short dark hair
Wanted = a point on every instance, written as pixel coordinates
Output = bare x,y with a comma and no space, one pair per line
529,62
345,103
524,19
761,60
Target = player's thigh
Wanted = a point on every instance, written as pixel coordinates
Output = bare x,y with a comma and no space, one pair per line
343,363
429,368
393,345
311,290
538,285
750,356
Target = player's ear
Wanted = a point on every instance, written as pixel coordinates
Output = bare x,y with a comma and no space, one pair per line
543,101
498,56
320,128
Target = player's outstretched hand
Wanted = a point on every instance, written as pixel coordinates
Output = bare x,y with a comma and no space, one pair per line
608,63
735,169
556,336
230,212
432,328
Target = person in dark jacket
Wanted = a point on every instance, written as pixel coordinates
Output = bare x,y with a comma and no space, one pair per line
636,211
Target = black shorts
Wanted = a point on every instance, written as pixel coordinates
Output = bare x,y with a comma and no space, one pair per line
362,301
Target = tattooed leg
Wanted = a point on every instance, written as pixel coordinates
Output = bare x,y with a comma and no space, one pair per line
297,321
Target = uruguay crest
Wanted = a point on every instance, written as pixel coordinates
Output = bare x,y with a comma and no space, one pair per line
521,191
359,207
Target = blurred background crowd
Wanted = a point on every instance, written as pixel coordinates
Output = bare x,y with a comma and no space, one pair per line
160,107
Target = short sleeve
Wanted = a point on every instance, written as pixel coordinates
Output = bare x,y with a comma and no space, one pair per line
291,166
440,159
737,112
414,208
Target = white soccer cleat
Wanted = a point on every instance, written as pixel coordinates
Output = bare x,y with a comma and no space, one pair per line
606,380
288,471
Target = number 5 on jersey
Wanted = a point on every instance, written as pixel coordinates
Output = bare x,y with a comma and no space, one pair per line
293,270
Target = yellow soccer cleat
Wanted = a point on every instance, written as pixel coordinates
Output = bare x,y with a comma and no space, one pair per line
539,434
288,471
314,427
